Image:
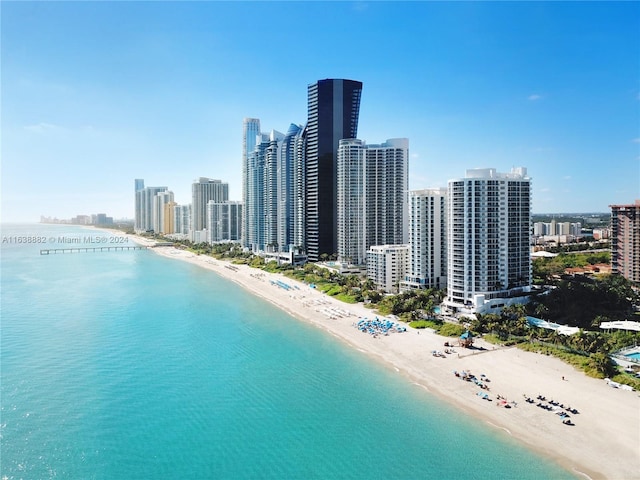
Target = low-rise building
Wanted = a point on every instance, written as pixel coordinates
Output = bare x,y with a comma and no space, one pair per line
387,266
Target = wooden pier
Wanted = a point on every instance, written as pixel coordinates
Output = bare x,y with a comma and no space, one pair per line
55,251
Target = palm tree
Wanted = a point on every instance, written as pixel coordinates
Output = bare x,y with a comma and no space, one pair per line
602,364
429,308
368,284
541,310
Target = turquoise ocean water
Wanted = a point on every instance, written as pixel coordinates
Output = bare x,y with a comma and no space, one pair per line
129,365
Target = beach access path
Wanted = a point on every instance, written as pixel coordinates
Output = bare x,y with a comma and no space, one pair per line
604,441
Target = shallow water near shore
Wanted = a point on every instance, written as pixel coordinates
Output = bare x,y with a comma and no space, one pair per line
131,365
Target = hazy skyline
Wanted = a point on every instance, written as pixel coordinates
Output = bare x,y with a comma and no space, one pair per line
96,94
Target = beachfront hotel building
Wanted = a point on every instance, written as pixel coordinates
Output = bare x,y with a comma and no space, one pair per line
387,266
372,185
488,234
625,240
427,219
202,190
224,221
333,107
144,203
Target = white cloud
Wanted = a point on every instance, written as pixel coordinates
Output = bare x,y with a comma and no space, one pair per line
567,177
636,140
534,97
43,127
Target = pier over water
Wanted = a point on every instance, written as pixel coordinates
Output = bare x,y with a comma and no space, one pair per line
50,251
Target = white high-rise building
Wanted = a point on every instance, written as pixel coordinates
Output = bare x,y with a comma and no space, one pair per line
144,207
372,192
427,240
203,190
488,233
182,219
224,221
159,201
352,241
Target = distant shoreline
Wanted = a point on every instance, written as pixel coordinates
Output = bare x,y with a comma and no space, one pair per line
603,443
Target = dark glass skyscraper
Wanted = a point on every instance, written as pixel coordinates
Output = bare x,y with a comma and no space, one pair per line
333,109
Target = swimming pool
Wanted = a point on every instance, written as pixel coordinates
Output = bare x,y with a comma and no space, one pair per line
633,355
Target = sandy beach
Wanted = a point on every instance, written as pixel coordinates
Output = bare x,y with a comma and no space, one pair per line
604,441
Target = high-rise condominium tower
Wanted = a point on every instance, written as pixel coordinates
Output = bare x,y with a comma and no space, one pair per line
182,219
139,186
372,184
203,190
427,239
287,158
489,222
250,133
333,109
223,221
160,201
145,198
625,240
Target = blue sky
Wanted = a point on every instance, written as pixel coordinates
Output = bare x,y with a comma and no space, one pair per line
96,94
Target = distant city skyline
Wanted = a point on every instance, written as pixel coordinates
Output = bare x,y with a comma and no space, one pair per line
91,101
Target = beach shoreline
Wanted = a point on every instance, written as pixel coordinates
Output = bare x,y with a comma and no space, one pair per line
604,441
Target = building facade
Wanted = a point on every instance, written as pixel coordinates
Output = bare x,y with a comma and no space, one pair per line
250,134
372,184
427,218
625,240
287,158
160,201
488,233
386,192
254,204
202,190
299,189
144,220
270,180
224,221
352,232
182,219
333,107
137,217
387,266
169,225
